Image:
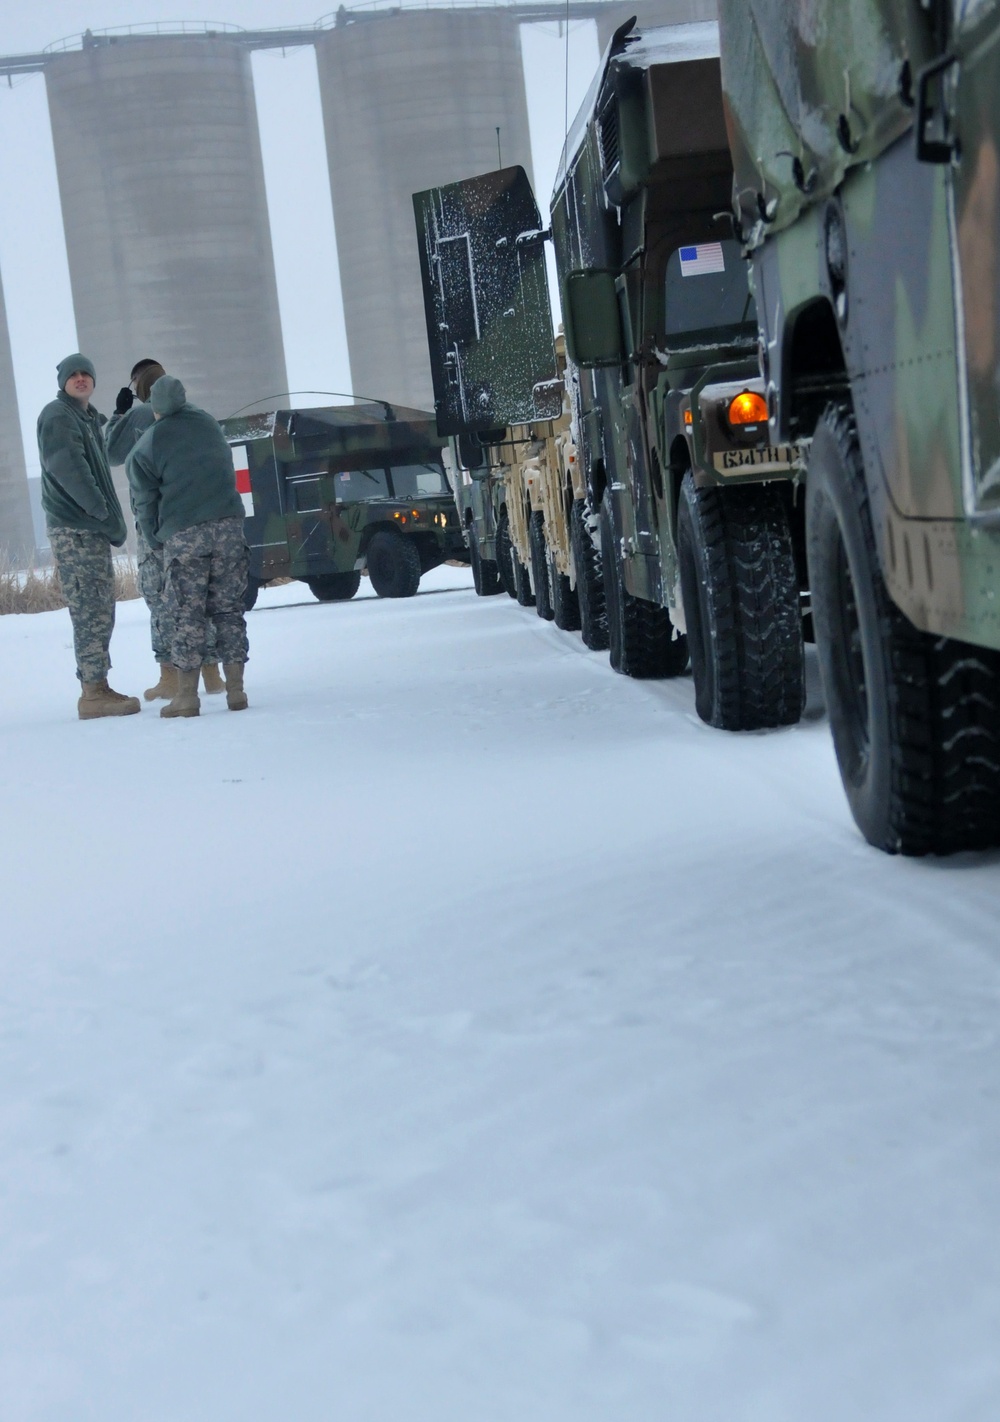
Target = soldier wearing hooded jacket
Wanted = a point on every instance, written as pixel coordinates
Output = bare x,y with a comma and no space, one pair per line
184,494
132,418
85,521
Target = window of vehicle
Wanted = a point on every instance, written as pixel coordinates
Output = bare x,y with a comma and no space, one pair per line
302,478
305,494
353,485
418,481
707,296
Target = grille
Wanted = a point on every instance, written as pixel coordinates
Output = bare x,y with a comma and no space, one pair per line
608,128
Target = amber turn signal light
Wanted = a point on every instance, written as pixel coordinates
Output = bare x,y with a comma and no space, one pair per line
747,408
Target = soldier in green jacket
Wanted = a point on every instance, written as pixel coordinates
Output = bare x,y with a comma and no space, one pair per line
132,418
185,500
84,520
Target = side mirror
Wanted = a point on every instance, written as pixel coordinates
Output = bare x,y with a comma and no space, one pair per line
470,453
591,319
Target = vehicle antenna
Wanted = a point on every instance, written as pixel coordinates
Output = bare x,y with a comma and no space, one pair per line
499,158
566,80
390,413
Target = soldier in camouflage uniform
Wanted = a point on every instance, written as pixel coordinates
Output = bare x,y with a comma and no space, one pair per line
84,520
132,418
184,492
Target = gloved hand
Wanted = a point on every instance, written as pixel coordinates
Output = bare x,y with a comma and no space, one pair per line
124,402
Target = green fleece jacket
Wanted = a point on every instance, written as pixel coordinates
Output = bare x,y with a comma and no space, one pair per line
181,471
77,491
123,432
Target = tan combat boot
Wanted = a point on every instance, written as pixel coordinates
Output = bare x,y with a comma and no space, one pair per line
214,685
166,688
97,699
236,697
185,702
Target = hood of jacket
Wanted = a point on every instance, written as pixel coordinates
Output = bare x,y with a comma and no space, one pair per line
167,395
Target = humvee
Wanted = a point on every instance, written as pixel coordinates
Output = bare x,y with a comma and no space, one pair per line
474,477
516,492
867,193
688,515
332,493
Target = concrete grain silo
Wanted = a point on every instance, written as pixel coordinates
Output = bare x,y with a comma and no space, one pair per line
162,187
410,99
17,537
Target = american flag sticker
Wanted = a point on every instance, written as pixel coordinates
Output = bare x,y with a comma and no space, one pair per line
241,464
704,260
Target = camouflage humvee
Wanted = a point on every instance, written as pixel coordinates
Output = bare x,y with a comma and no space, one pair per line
331,493
474,478
678,513
515,490
865,138
542,485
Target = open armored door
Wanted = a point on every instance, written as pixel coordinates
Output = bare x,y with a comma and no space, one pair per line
486,300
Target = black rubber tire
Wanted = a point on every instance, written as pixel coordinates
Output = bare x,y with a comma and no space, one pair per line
742,607
334,587
485,574
589,580
393,565
505,556
915,717
523,591
251,592
641,636
540,567
565,603
522,583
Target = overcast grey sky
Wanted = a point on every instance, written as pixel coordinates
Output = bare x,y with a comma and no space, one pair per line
32,250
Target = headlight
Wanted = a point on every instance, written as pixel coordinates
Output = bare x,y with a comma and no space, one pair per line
747,408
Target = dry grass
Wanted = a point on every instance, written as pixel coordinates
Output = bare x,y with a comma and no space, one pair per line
38,589
126,580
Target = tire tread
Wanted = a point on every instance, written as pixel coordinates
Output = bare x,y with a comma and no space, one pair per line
753,586
944,709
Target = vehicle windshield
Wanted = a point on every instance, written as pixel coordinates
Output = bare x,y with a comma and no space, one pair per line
398,481
707,298
418,481
351,486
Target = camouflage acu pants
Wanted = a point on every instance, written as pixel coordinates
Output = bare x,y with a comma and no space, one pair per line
150,565
206,577
151,584
87,576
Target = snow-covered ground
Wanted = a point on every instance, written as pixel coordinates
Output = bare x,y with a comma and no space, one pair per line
468,1034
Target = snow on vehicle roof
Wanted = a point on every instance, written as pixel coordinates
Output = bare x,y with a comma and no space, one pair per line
663,44
672,44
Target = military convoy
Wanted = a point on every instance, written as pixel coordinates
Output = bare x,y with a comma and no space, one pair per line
742,464
660,508
333,493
